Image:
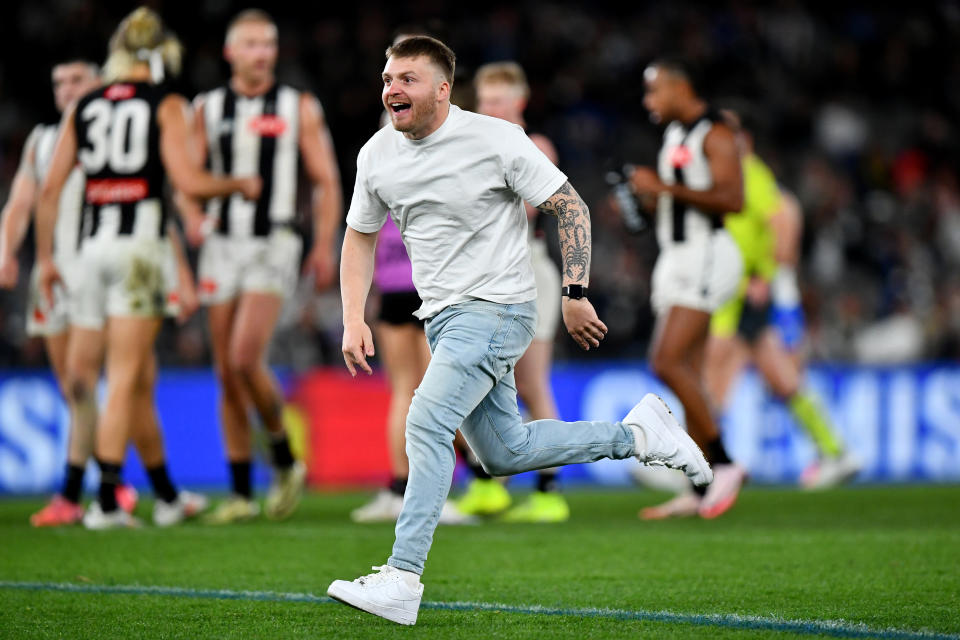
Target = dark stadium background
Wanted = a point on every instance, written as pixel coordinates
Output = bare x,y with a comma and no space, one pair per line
856,107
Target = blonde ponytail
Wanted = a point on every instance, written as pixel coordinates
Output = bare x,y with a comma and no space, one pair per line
142,38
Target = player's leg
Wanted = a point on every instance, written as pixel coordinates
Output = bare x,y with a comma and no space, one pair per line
171,505
253,328
234,419
680,334
785,379
129,345
726,354
84,358
64,507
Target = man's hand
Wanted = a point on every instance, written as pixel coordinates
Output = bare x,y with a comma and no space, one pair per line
187,299
49,276
250,187
646,182
195,227
582,323
758,291
9,271
322,265
357,347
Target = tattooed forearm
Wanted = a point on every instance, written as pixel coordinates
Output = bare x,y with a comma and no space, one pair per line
573,218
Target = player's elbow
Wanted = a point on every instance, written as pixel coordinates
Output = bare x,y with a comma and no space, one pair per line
734,201
186,186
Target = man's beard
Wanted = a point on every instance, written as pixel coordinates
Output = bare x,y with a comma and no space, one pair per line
420,114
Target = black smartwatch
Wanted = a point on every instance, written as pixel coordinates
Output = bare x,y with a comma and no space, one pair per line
574,291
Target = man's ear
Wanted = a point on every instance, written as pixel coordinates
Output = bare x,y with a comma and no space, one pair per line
443,91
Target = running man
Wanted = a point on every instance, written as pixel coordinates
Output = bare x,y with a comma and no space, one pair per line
250,257
455,183
697,182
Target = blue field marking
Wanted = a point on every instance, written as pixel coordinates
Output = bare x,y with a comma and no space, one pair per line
837,629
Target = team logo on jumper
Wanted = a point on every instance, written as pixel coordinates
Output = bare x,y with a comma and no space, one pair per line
113,190
120,92
268,126
208,285
680,157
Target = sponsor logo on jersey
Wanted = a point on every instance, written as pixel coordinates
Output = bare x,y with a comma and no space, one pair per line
120,92
113,190
680,157
268,126
208,285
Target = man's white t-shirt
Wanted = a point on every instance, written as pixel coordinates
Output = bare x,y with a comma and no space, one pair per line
457,197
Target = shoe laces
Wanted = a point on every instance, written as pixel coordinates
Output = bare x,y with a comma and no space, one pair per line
383,574
663,462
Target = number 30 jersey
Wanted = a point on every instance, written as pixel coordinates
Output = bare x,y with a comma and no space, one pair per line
118,143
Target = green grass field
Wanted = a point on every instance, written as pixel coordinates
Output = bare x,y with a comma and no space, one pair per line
871,562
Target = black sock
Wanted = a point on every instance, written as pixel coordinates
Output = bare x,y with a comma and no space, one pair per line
161,483
109,478
282,456
700,490
73,483
240,478
398,486
547,482
716,454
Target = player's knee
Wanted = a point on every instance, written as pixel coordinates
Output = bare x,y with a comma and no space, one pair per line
243,364
662,365
79,388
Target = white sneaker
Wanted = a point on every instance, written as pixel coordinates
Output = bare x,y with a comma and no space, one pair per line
95,518
665,442
285,491
385,507
450,514
384,593
684,505
831,472
187,505
723,492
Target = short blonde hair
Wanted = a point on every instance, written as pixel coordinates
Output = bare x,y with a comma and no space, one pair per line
507,72
139,39
247,16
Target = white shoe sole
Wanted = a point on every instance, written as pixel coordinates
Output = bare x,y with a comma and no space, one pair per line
341,591
698,470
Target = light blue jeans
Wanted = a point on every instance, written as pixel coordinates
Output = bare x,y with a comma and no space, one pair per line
469,385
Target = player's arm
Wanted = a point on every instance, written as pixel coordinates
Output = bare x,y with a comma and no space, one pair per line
573,222
186,287
61,164
15,217
185,172
726,194
356,276
787,225
190,209
320,163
